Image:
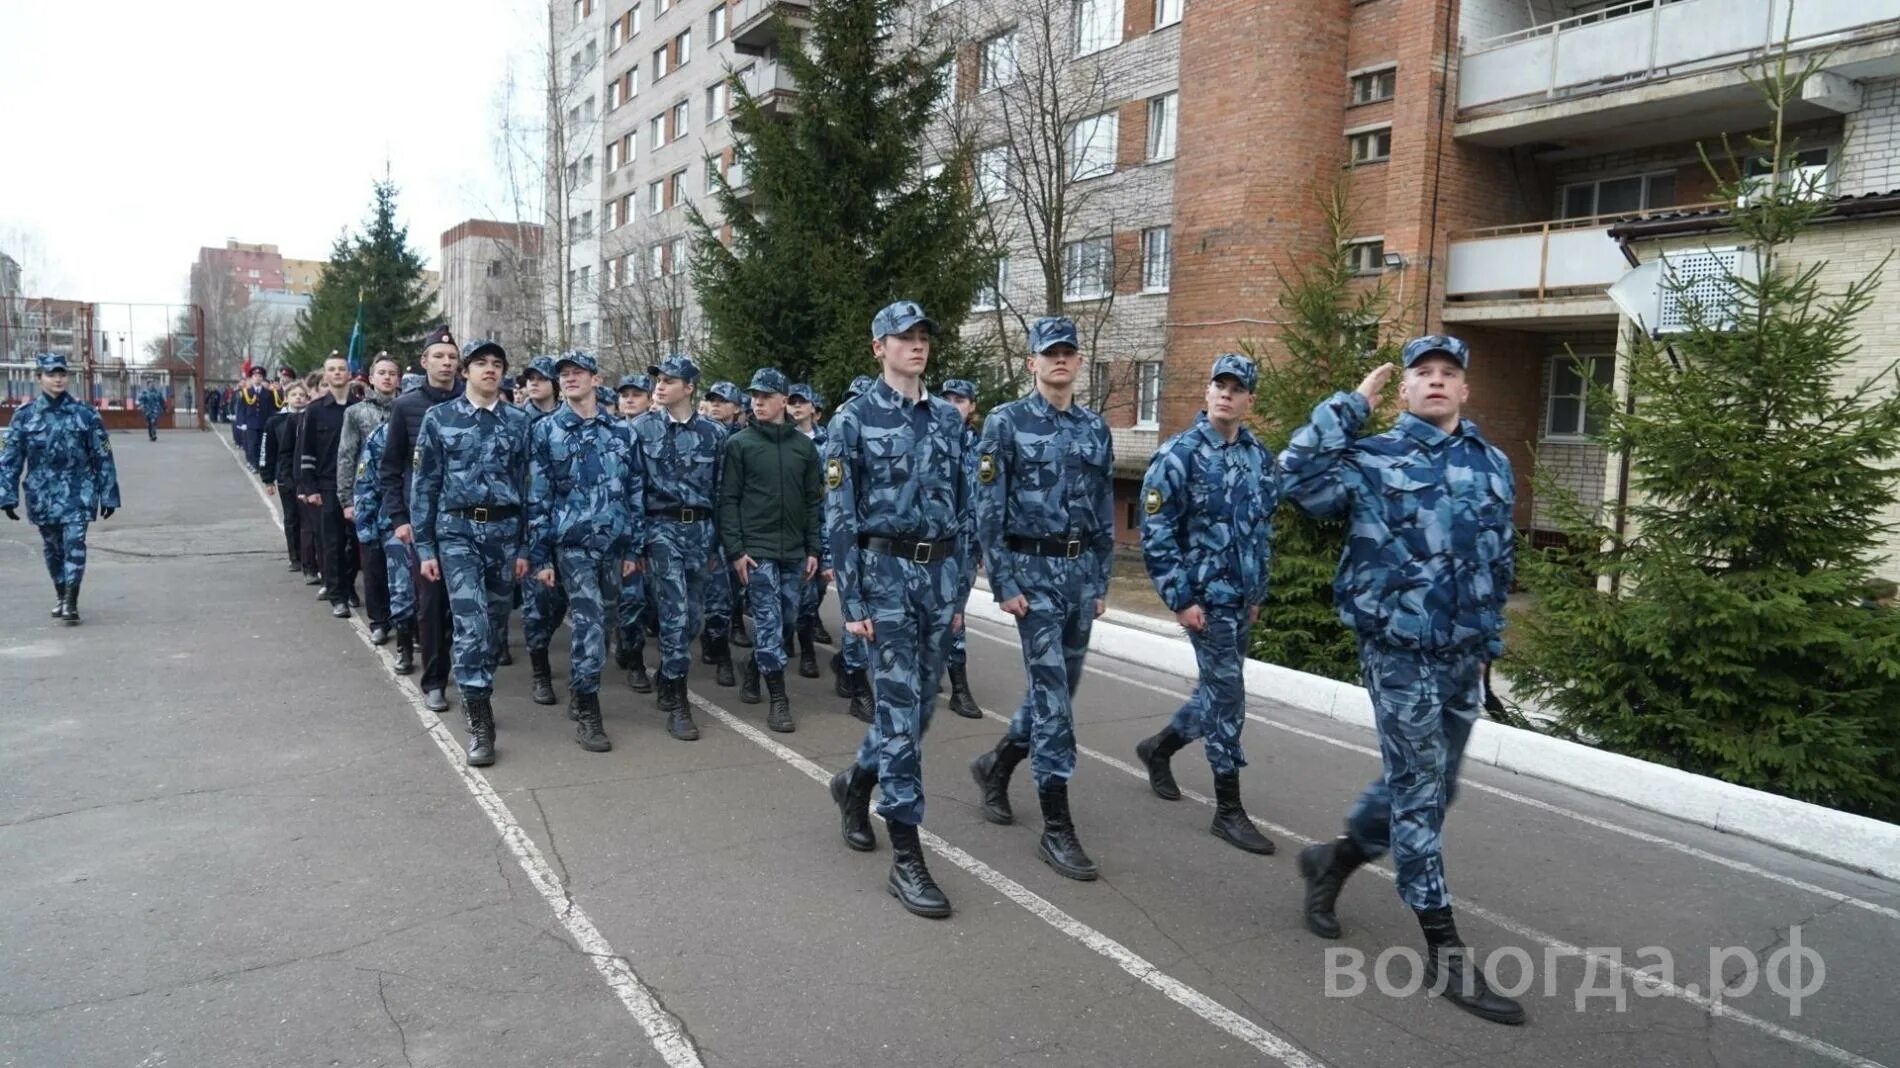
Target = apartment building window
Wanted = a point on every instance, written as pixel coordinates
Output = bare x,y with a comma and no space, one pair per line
573,176
587,167
1367,255
656,196
494,268
662,60
584,332
949,98
1094,25
676,187
989,295
615,270
1147,394
1157,259
1566,409
718,99
630,83
992,174
999,61
735,173
676,255
656,131
587,223
1808,176
712,174
593,54
1085,268
574,65
613,156
1167,12
683,44
613,95
1617,196
573,228
1369,146
716,24
574,117
1092,146
1370,87
682,117
656,260
666,6
583,9
1162,111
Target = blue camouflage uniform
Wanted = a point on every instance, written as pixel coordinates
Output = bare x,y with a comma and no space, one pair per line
1429,561
586,512
467,510
1207,539
634,611
542,606
366,490
151,402
815,590
680,464
853,652
66,454
897,512
722,594
1045,517
962,387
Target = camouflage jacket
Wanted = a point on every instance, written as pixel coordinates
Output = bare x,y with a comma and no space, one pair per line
1044,473
1207,519
63,447
584,488
469,457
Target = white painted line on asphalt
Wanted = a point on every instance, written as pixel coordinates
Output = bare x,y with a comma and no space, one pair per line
1127,959
1713,1006
662,1028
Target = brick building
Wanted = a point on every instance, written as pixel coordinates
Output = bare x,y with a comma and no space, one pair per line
491,281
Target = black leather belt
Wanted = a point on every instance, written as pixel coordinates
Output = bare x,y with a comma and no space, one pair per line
488,513
917,552
1065,548
683,515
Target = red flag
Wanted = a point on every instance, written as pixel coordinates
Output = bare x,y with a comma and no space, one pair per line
246,372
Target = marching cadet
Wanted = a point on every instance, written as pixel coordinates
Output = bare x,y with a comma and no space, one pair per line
317,444
1045,516
725,602
961,393
279,447
768,524
1429,562
359,421
61,444
634,395
151,402
543,604
802,406
634,613
1206,539
470,527
851,664
439,362
680,458
897,511
585,513
253,406
373,528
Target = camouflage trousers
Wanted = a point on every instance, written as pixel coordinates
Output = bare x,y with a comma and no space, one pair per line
721,591
400,562
634,613
773,592
589,581
1217,708
910,605
543,606
478,567
812,600
677,578
1055,640
63,547
1423,706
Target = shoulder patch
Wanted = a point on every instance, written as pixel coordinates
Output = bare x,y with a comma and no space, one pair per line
986,468
834,473
1152,503
415,459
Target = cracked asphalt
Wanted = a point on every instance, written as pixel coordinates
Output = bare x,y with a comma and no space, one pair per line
226,839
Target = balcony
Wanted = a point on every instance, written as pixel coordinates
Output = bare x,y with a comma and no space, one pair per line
1550,275
1650,71
772,87
755,30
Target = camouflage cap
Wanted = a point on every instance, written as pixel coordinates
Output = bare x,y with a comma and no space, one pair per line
679,365
859,387
542,365
726,391
959,387
484,347
817,399
768,380
1435,345
1237,367
899,317
413,381
583,360
801,391
1052,330
643,383
49,362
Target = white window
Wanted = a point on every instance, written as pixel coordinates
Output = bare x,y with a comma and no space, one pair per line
1373,86
1808,176
593,53
992,174
656,131
587,222
1617,196
586,276
617,272
573,228
656,260
676,187
662,62
1094,25
587,109
718,99
716,25
1167,12
665,6
682,116
989,295
1147,394
584,333
1370,146
587,167
712,173
1085,268
1162,112
613,95
633,20
1092,147
735,174
676,255
656,196
613,156
684,42
999,61
949,98
1367,256
633,82
573,116
1566,410
1157,259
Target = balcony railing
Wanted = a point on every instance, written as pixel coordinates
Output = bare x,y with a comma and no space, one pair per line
1651,40
753,29
1535,261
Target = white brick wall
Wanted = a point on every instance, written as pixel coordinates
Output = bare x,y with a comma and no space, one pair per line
1871,161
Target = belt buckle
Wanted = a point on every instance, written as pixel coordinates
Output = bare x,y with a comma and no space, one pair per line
1074,548
921,552
687,515
479,515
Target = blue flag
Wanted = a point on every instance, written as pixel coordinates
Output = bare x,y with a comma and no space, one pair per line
356,337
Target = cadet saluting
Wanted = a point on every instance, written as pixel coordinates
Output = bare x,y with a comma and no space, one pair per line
897,512
1206,538
1045,516
1429,560
70,477
471,463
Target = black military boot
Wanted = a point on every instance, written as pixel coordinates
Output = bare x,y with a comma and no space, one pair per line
778,716
840,678
543,693
722,662
1154,753
679,718
862,700
910,882
623,656
1324,866
507,656
962,701
481,729
637,678
59,606
819,634
807,656
1059,847
69,603
1451,969
749,680
1231,823
740,637
991,772
405,649
587,726
851,792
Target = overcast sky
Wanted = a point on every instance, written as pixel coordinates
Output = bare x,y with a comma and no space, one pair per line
134,132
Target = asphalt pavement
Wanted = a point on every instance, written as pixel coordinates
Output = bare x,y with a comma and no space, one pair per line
229,836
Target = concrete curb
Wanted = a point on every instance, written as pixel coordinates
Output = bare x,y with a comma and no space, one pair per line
1811,830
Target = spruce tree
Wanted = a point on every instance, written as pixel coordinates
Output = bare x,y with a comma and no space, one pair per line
377,266
841,219
1330,336
1723,632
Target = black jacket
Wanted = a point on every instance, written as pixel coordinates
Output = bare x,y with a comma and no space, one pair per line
280,450
399,445
316,446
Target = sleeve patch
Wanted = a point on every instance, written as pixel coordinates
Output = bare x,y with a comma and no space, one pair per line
834,473
1152,505
986,468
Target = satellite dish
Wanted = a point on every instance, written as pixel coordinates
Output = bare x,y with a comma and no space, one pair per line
1638,294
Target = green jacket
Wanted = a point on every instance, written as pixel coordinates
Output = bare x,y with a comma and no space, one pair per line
769,494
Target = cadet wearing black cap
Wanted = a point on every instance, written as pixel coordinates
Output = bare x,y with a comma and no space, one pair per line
440,362
634,613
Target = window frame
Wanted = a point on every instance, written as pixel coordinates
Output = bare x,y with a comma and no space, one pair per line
1148,259
1102,162
1646,201
1148,395
1563,363
992,75
1372,135
1072,263
1165,8
1356,252
1170,104
1101,20
994,287
1385,75
984,173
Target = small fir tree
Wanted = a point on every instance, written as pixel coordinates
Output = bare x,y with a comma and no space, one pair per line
379,267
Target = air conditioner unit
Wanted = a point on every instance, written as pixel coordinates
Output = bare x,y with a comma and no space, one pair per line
1708,280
